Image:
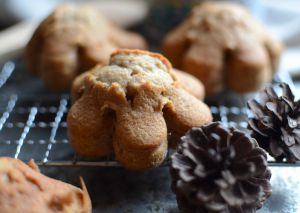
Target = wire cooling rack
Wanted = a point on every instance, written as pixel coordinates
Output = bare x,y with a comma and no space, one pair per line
33,121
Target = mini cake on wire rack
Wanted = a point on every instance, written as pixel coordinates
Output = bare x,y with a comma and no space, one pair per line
129,106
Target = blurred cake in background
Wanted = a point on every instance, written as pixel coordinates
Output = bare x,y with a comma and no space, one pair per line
72,40
225,47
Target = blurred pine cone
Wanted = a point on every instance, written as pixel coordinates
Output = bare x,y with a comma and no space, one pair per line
218,170
276,123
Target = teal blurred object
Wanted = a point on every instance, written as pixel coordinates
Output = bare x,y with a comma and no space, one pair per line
164,15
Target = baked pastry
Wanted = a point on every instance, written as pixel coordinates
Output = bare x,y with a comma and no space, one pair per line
224,46
129,106
219,170
23,189
72,40
191,84
274,123
186,81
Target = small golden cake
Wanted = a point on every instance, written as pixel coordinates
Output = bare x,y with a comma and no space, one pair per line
224,46
72,40
23,189
129,106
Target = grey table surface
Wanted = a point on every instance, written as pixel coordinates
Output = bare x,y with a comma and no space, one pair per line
116,190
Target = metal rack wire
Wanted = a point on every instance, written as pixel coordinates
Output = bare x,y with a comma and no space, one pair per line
33,121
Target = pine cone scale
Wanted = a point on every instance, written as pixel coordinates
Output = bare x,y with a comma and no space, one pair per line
256,108
242,169
253,125
296,150
287,92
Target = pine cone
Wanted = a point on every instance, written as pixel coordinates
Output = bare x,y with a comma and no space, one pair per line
218,170
276,123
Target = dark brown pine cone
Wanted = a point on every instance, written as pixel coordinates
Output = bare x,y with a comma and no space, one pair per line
219,170
276,123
